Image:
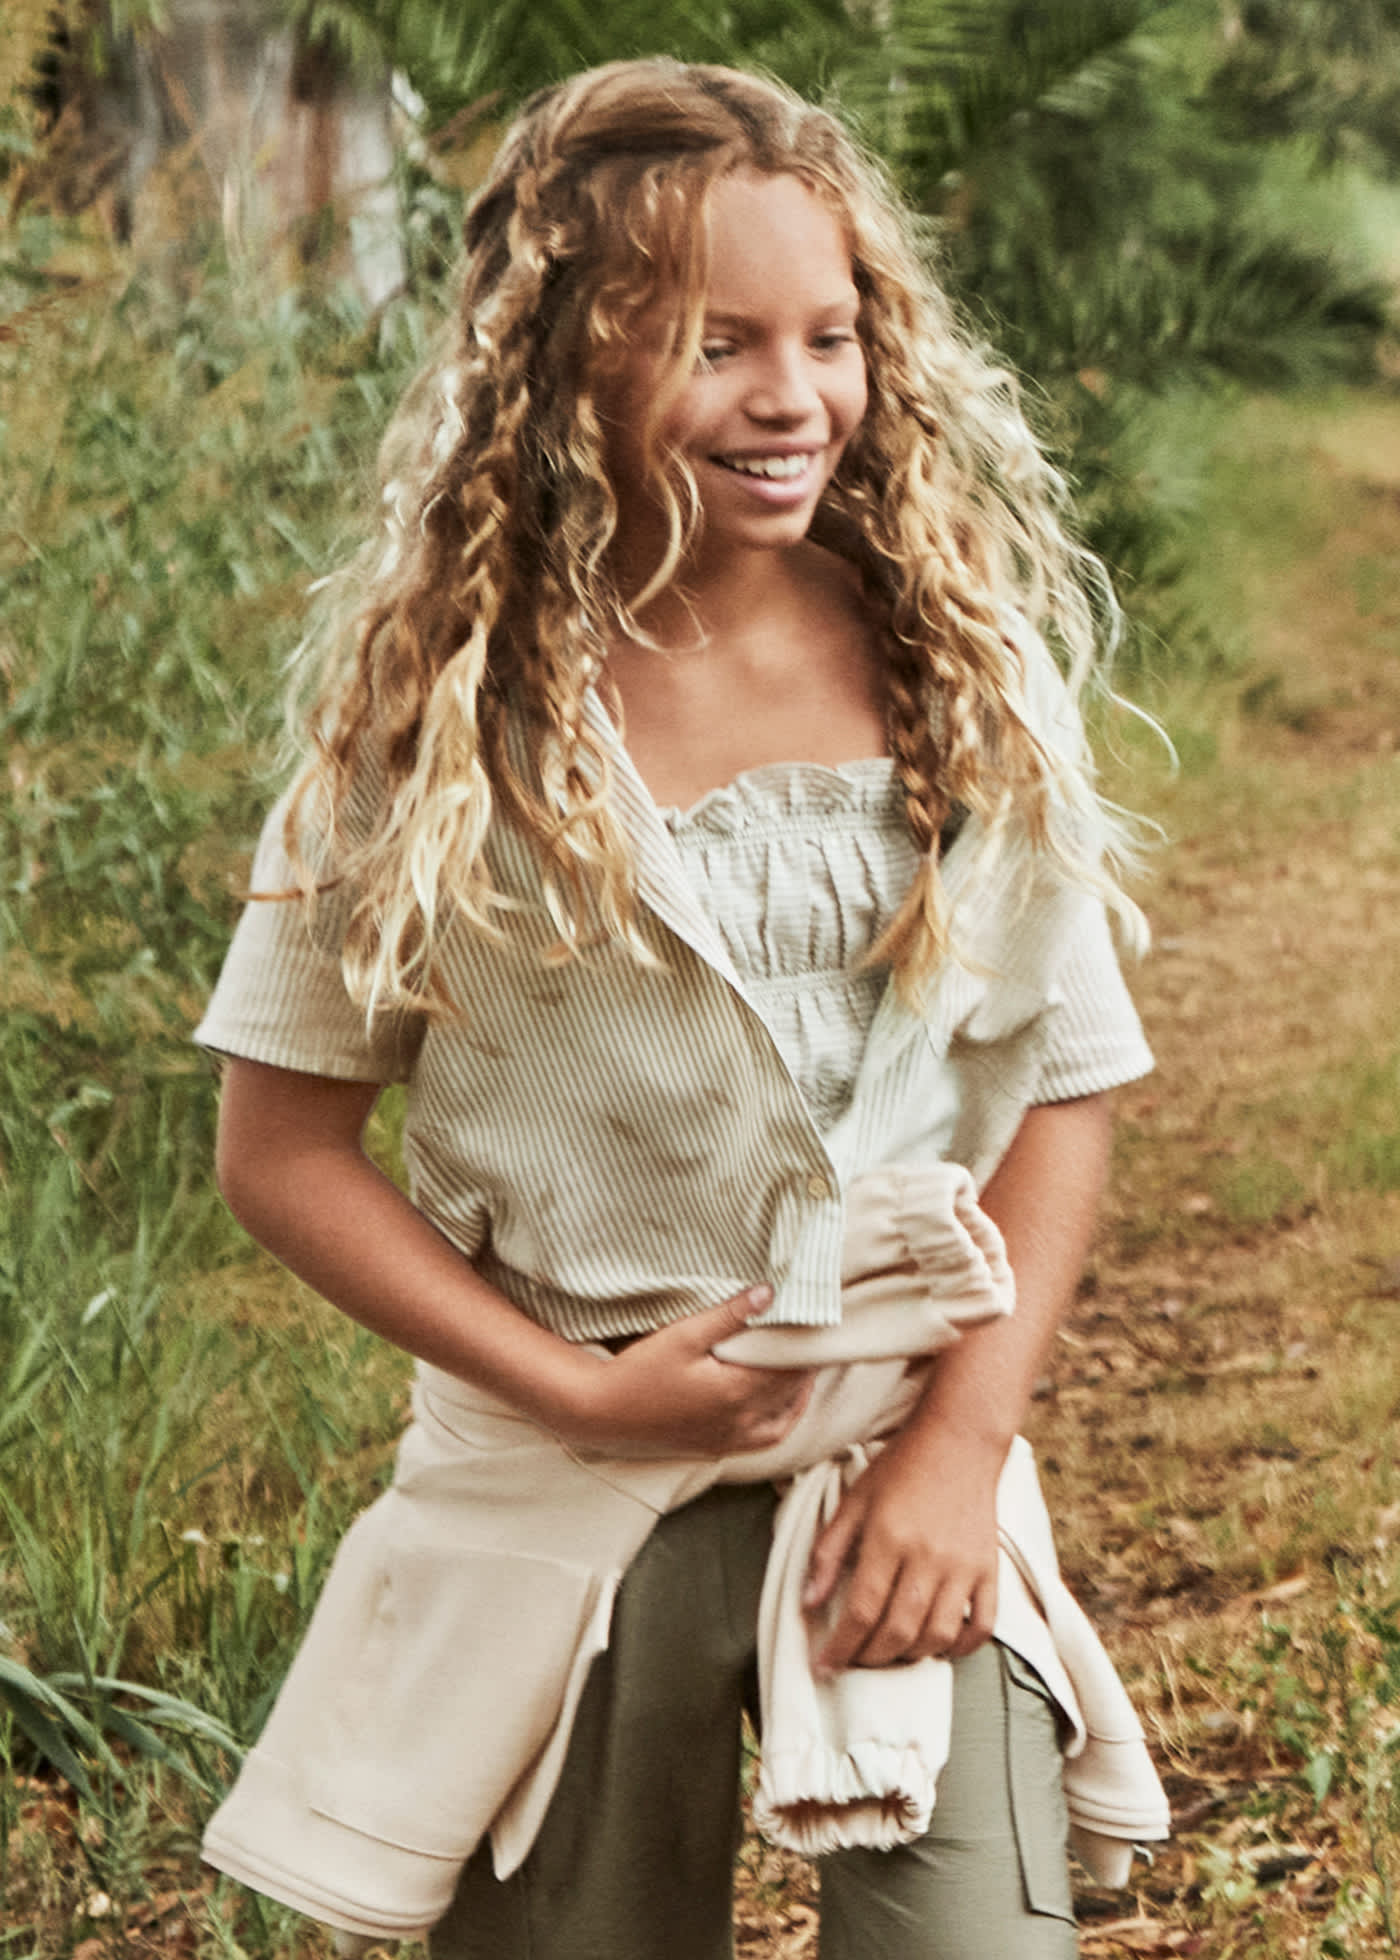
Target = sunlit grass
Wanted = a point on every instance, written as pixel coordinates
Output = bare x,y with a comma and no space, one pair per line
182,1438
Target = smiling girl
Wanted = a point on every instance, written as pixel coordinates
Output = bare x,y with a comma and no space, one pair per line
697,824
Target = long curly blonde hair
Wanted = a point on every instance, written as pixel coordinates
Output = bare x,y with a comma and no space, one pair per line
485,609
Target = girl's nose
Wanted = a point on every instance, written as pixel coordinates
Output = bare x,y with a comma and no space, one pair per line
784,389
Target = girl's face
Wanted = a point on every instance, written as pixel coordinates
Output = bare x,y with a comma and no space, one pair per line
779,388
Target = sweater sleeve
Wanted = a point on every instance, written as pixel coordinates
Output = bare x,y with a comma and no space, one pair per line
281,997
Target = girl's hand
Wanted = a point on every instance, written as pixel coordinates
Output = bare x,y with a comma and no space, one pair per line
909,1562
293,1169
667,1394
914,1542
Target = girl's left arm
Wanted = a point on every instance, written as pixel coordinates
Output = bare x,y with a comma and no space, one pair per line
915,1536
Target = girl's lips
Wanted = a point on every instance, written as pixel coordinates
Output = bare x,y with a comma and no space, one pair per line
777,465
789,488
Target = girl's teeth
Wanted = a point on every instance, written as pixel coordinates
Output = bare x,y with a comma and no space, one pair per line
779,468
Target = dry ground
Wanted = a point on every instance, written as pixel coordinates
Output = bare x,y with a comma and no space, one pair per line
1219,1437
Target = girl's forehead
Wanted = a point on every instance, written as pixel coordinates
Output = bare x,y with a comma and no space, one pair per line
772,232
747,196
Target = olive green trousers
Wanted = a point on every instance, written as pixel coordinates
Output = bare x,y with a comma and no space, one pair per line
635,1858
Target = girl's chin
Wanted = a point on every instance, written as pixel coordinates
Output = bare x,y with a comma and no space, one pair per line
723,545
758,517
760,527
727,527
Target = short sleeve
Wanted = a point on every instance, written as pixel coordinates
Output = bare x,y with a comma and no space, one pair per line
1094,1039
281,997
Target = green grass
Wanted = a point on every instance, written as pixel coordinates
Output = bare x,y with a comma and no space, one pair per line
181,1442
1365,1148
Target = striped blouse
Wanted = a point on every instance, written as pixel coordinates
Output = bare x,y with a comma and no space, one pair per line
616,1146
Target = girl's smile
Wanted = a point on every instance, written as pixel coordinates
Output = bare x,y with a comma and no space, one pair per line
781,478
779,388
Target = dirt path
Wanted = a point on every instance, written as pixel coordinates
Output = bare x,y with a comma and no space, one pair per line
1237,1244
1219,1436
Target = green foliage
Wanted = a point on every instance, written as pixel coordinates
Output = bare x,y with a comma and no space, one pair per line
173,1481
1118,240
1326,71
25,30
939,85
1118,226
177,463
159,534
1332,1703
68,1716
464,57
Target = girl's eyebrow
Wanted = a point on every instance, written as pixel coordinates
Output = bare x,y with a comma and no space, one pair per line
847,303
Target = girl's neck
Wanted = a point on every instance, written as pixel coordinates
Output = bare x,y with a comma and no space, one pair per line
774,662
718,608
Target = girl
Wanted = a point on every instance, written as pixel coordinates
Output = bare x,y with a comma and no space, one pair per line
700,828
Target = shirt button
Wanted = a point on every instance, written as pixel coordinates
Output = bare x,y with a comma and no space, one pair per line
817,1186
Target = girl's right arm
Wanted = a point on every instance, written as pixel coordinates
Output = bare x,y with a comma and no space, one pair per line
293,1169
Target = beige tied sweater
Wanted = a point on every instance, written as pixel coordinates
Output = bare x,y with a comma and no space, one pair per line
433,1697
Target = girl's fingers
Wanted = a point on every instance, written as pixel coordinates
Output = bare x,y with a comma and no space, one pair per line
979,1620
892,1614
943,1624
687,1399
830,1552
861,1608
706,1330
901,1625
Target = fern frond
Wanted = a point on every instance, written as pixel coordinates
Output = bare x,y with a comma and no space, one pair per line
946,76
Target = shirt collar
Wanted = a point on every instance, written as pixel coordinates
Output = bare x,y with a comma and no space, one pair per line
661,875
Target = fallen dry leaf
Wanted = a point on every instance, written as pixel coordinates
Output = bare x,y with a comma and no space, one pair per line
1276,1595
1387,1286
1137,1935
147,1911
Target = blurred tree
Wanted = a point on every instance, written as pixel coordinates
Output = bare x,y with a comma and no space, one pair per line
243,106
1327,71
25,27
1114,237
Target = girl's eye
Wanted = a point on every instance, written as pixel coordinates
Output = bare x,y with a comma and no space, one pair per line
712,352
833,340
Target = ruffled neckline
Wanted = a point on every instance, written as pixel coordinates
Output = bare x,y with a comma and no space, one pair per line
785,788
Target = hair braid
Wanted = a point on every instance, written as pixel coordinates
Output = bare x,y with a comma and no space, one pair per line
916,938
